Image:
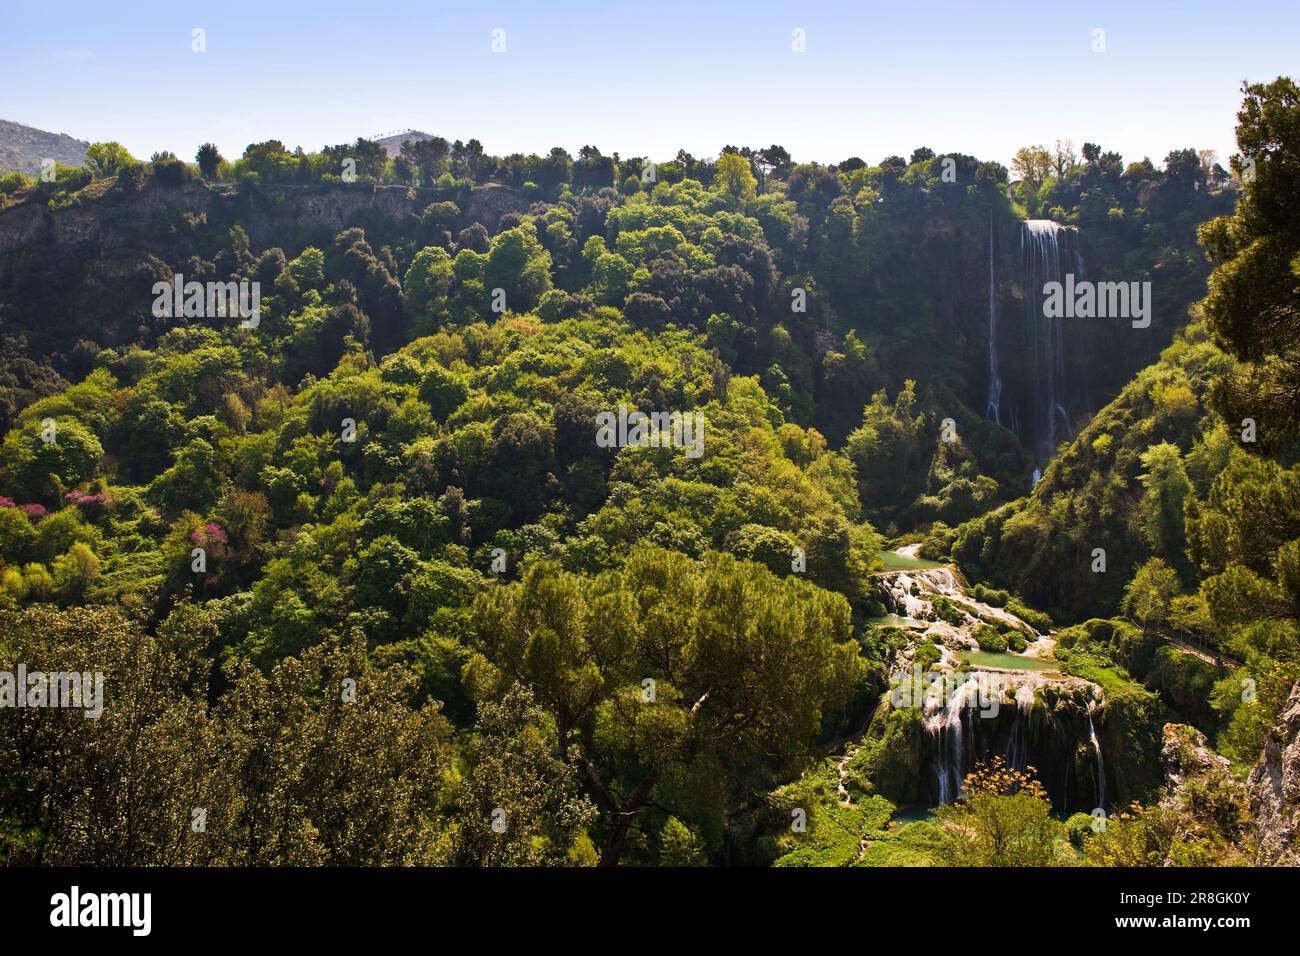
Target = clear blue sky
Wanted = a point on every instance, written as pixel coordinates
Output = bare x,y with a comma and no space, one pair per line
647,77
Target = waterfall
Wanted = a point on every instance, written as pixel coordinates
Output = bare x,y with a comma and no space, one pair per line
995,382
1040,722
943,721
972,712
1047,251
1096,750
911,594
1017,748
901,584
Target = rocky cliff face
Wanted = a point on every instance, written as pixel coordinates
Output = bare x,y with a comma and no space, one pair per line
263,212
1186,754
1274,789
1207,804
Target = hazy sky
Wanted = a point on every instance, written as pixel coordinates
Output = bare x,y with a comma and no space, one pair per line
647,77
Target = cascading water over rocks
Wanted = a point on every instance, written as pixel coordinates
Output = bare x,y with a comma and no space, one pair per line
1036,718
1042,722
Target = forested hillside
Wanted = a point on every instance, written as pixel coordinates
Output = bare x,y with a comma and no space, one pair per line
381,577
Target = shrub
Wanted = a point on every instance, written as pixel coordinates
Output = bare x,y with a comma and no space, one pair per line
989,639
1035,619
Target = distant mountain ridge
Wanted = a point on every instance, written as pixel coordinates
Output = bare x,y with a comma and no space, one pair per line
23,147
392,143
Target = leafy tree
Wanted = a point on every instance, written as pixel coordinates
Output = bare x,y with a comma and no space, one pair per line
43,469
1148,597
1003,819
209,160
308,269
426,286
1032,164
518,264
734,178
522,802
108,159
741,663
1253,307
678,846
1167,486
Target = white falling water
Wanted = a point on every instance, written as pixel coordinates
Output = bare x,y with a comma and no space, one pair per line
1017,747
943,721
995,381
926,581
1047,249
1096,750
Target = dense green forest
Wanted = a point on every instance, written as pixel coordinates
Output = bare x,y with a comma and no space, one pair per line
367,587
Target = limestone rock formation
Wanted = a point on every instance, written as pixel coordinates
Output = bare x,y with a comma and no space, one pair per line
1186,754
1274,788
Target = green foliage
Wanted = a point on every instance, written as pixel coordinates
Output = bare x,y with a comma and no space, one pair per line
888,760
1035,619
833,832
108,159
1252,304
393,479
1149,596
989,638
1003,819
274,765
716,640
678,846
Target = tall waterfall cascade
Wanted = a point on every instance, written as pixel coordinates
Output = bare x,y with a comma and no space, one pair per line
1048,250
995,381
1033,393
1096,750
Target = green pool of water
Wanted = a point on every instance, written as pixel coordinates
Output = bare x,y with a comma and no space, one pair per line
892,561
1007,661
893,620
905,815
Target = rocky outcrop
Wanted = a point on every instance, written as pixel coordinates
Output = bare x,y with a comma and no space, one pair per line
1274,789
1185,754
263,212
1205,803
